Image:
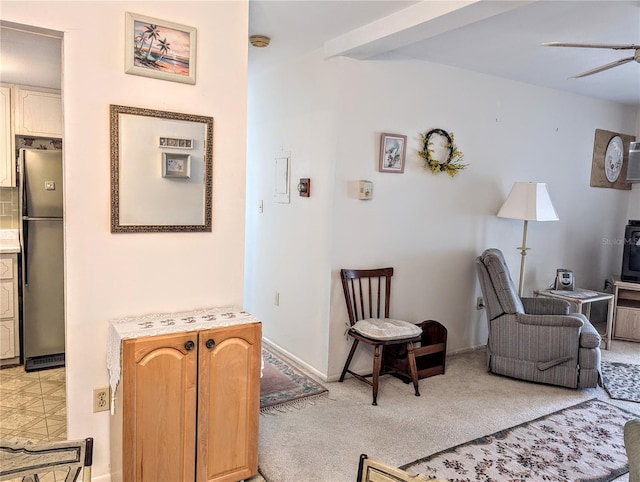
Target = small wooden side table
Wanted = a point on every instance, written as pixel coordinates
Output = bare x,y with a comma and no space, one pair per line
581,297
626,324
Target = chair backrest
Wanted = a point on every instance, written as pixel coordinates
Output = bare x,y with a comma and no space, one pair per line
370,470
632,446
498,289
367,292
29,461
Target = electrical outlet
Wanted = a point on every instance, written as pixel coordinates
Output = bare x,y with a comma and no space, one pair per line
101,399
479,303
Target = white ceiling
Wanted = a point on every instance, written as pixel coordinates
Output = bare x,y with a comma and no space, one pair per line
501,38
31,57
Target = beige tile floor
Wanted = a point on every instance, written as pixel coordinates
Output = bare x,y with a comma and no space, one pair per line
33,405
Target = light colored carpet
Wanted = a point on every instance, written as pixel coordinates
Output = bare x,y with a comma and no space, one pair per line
322,443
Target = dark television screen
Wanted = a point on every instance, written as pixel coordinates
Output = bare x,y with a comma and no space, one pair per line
631,253
634,250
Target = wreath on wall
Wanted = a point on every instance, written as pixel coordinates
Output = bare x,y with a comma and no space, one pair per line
452,164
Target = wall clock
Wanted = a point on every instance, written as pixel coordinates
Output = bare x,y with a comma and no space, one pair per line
610,159
613,158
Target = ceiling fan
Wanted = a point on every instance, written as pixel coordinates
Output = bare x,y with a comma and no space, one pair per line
635,56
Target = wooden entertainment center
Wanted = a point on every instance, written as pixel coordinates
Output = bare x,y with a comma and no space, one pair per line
626,323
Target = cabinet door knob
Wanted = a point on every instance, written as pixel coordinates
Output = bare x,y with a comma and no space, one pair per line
189,345
210,343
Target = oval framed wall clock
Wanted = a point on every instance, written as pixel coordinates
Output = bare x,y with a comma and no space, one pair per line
613,157
609,162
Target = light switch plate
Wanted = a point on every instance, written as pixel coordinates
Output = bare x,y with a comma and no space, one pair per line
365,190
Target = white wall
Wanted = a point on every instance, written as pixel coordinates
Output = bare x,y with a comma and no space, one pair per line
115,275
634,201
430,228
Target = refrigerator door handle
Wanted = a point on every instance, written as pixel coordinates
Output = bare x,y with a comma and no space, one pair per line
25,244
26,218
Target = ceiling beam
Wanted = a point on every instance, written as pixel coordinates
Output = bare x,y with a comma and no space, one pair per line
418,22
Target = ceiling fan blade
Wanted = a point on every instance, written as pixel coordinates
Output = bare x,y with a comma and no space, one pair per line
592,46
604,67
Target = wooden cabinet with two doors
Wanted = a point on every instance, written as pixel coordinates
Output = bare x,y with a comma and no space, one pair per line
187,406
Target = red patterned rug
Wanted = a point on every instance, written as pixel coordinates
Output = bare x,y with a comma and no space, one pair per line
284,387
579,443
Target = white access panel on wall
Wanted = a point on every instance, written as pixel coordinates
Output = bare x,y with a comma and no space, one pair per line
282,179
633,168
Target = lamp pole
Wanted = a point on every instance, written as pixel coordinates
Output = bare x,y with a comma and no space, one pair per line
523,252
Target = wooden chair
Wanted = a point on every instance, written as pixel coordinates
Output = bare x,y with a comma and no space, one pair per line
367,293
30,461
370,470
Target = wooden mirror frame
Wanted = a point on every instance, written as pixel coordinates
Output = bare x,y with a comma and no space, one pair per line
116,226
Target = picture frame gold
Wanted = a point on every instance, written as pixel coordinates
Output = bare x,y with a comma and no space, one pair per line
142,199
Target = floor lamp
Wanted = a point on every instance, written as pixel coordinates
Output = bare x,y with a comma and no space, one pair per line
528,201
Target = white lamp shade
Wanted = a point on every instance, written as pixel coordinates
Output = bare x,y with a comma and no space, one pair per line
528,201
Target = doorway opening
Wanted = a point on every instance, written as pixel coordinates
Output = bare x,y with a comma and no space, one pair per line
32,70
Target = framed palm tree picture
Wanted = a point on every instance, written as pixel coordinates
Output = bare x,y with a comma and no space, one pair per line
160,49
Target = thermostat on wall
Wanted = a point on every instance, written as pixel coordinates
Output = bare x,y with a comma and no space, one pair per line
366,190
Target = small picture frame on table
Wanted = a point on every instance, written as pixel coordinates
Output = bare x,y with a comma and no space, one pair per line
392,152
176,165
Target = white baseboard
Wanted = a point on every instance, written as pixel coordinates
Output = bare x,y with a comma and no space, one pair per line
466,350
321,376
102,478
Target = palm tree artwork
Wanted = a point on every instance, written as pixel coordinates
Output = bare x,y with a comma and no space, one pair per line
151,34
161,48
164,48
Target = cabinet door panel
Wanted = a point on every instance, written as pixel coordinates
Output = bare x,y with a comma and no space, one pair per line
38,113
159,421
7,309
7,162
228,403
627,324
7,339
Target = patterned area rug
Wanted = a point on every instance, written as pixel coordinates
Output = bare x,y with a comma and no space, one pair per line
621,380
283,387
583,442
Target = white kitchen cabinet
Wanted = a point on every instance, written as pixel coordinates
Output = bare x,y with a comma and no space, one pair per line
9,341
7,164
37,111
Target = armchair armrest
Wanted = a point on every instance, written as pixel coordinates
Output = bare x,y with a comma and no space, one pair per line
589,336
575,320
545,306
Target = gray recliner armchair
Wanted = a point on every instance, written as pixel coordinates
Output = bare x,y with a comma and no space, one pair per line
535,339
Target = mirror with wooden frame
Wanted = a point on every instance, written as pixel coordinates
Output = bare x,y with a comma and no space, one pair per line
161,171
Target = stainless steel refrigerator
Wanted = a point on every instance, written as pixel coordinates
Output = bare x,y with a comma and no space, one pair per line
41,238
